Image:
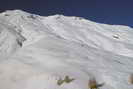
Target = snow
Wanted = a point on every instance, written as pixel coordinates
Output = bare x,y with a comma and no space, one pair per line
36,51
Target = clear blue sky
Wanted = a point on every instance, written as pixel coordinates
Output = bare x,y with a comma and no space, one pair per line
103,11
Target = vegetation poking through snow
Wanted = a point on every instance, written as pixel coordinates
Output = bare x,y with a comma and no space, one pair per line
60,82
130,79
67,79
92,84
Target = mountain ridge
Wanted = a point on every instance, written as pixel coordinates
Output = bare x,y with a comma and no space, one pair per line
46,49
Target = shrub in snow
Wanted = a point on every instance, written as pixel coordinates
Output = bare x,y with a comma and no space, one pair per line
60,82
67,79
92,84
130,79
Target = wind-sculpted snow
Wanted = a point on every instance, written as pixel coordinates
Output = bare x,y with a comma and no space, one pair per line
60,52
10,40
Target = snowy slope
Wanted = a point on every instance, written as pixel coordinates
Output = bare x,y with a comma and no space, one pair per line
36,52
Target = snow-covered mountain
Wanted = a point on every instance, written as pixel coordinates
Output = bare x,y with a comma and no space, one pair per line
37,52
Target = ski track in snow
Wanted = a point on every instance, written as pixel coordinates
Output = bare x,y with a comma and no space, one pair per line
37,51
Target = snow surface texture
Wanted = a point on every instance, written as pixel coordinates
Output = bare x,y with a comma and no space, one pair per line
36,52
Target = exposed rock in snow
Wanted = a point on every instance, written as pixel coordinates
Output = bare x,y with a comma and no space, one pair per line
60,52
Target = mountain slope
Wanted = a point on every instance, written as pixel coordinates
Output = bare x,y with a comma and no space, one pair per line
44,50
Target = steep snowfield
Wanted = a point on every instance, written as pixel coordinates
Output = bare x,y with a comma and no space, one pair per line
36,52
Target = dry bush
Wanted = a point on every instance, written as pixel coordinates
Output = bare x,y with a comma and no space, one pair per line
60,82
92,84
67,79
130,80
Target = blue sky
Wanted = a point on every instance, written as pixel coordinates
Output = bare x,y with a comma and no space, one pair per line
103,11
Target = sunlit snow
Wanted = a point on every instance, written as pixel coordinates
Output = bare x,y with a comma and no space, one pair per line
38,51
